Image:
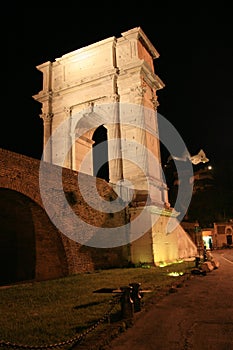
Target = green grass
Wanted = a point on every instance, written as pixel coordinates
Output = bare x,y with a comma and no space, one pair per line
50,312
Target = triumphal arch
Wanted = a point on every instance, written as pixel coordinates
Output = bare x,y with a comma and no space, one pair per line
99,109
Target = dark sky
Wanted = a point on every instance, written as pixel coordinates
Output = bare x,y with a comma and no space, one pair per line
196,64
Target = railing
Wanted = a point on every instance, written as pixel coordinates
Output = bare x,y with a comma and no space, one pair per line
129,298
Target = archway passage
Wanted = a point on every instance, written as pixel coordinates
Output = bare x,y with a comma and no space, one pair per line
17,238
100,153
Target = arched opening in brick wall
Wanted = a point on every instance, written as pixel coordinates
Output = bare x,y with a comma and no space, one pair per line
31,248
100,153
17,238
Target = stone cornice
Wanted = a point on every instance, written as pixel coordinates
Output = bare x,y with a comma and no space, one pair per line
74,55
142,67
137,33
150,77
163,211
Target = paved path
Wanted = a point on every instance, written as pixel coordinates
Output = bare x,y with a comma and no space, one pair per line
198,317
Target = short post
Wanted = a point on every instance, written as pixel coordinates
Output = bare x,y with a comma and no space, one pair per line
136,297
126,303
197,261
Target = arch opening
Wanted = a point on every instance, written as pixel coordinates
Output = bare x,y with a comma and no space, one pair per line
17,238
100,153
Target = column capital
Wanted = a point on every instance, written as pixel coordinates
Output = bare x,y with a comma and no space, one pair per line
67,110
115,98
139,90
155,102
47,117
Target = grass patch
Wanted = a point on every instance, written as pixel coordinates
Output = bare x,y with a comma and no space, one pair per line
50,312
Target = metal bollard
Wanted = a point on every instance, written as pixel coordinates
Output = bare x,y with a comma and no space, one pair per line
126,303
197,261
136,297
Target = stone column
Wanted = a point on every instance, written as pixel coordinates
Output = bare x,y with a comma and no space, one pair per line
47,143
163,186
68,138
72,151
114,151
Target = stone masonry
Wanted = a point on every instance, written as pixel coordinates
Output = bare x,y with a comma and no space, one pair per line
31,246
104,93
112,84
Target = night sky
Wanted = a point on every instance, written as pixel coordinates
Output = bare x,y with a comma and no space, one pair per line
196,64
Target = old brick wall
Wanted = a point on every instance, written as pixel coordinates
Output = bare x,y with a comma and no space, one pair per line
24,220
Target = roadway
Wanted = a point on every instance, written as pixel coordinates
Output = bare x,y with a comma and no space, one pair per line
199,316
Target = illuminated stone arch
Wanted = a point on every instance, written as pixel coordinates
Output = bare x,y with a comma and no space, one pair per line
91,84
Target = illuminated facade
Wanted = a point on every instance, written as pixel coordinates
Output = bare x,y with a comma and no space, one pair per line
90,91
101,81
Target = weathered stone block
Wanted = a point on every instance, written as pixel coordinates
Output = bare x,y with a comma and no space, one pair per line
207,266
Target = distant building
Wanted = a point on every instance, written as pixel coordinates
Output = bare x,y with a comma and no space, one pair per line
217,237
223,234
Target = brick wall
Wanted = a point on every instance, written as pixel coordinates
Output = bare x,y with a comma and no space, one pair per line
43,251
